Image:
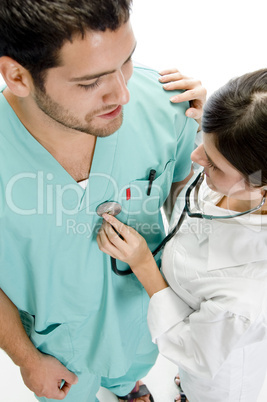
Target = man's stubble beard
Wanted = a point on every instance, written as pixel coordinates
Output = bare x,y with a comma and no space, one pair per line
59,115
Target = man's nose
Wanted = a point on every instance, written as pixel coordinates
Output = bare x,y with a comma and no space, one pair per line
118,93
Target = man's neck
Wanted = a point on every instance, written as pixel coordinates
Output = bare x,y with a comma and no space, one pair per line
72,149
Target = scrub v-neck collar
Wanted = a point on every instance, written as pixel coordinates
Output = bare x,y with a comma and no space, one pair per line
102,163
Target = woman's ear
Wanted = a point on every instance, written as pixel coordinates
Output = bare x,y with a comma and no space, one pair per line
17,78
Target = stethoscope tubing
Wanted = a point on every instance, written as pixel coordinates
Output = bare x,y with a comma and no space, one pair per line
155,252
164,241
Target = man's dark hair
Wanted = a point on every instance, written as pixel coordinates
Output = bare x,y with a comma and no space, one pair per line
32,32
237,116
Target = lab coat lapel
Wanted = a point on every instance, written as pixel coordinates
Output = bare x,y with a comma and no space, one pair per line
240,252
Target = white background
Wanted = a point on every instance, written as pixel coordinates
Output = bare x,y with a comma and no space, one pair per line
210,39
213,40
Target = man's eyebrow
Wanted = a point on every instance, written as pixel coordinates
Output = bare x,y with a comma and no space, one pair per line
94,76
210,160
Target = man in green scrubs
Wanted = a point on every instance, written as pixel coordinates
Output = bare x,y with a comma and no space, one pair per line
70,140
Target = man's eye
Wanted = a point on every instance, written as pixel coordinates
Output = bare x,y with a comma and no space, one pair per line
129,60
90,86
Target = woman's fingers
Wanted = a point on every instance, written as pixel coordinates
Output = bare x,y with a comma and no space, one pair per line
121,241
196,97
113,238
171,77
194,92
169,71
103,242
117,226
109,241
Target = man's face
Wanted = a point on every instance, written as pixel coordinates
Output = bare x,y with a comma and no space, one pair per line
87,91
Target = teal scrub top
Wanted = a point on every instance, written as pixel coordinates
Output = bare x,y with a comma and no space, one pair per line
73,306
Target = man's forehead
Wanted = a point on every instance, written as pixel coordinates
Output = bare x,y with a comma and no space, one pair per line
97,47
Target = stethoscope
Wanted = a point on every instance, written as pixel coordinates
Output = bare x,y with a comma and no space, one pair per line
114,208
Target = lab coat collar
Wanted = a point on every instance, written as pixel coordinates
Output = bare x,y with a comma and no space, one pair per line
244,245
244,237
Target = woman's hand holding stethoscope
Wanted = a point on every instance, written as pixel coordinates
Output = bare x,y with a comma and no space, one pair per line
122,242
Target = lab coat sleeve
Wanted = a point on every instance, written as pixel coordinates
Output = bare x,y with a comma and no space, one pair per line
198,341
165,310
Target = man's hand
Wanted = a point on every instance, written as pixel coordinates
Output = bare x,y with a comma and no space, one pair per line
45,375
195,93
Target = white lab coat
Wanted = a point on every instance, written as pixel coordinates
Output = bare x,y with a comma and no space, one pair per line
212,320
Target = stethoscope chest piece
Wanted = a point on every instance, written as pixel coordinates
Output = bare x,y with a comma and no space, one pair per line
110,207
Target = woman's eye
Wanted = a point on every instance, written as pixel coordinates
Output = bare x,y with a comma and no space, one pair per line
210,165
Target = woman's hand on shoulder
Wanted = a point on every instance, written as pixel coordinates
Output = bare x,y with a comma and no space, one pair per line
195,93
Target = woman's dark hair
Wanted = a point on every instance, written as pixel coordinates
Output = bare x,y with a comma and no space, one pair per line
32,32
237,116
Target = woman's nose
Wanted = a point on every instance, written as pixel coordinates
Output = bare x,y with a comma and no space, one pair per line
198,155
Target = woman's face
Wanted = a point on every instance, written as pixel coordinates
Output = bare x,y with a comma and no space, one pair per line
221,176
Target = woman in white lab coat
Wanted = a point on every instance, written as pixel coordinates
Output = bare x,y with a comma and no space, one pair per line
208,312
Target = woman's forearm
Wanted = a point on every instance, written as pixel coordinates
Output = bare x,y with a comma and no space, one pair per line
149,275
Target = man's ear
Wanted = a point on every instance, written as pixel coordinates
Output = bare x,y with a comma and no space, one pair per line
17,78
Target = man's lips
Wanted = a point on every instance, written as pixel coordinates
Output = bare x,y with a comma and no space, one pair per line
111,115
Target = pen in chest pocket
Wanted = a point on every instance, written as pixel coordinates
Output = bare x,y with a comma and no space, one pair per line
151,178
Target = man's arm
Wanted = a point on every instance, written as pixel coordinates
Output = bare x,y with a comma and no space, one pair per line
41,373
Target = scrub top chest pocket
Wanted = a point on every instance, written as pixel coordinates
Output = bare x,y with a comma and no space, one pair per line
146,197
